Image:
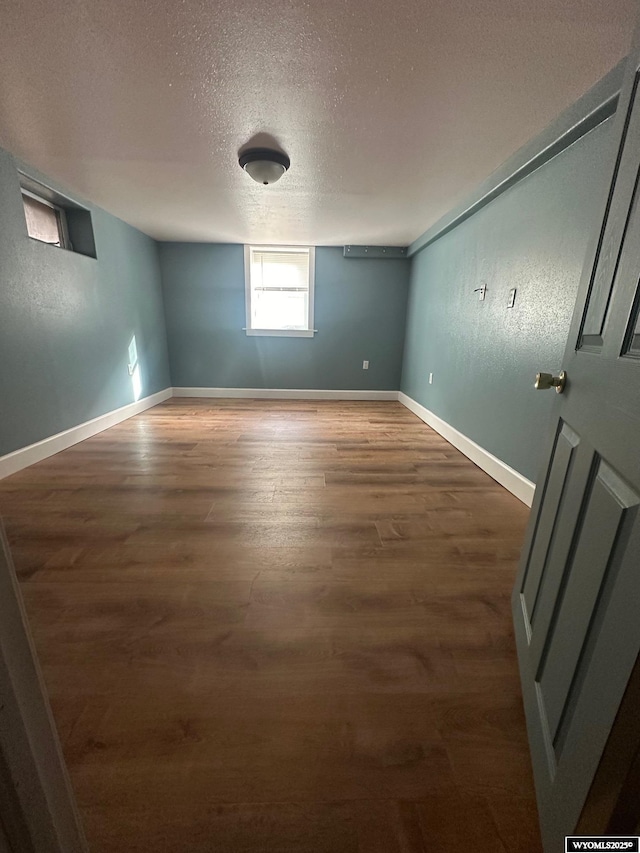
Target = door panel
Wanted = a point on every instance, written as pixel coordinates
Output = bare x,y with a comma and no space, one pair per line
622,191
555,493
569,524
576,570
577,597
631,348
609,512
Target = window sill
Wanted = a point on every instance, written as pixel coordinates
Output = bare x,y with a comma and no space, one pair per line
69,249
281,333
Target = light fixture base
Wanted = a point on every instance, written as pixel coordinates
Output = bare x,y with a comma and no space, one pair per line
264,165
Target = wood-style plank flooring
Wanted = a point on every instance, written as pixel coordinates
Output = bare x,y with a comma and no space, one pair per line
279,627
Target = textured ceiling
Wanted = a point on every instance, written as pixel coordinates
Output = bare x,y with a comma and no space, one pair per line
391,112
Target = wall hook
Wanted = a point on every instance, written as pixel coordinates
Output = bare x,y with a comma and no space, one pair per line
482,291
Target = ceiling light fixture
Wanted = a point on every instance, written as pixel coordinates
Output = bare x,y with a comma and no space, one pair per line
264,165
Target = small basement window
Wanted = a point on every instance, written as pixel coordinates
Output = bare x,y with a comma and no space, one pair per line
55,219
279,284
45,221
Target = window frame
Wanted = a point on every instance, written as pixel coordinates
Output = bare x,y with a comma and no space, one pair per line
279,333
63,230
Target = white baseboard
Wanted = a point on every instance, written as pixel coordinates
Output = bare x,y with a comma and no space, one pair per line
494,467
500,471
284,394
25,456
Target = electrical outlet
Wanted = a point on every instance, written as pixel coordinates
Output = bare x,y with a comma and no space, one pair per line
431,379
365,365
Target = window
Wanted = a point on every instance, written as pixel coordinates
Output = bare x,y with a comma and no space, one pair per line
54,219
45,221
279,290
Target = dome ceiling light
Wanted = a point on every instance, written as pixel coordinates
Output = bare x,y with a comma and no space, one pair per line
264,165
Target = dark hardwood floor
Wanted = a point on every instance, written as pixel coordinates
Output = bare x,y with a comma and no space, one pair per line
279,627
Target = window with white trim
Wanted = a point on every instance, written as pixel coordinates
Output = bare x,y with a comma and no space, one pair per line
279,290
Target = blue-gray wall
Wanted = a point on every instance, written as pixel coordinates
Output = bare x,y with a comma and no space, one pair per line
483,355
66,321
360,309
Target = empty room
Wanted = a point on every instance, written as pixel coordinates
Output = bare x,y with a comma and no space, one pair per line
319,418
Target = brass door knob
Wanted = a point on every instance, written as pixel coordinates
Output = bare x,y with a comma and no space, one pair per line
548,380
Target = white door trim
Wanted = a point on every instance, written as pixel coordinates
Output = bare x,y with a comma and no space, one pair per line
41,812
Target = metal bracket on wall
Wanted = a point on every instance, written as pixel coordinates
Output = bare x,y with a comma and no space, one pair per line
377,252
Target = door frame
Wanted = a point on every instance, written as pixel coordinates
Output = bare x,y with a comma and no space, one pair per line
38,811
